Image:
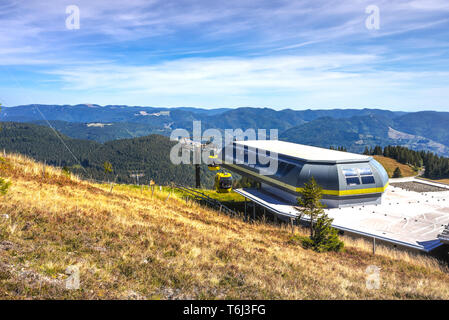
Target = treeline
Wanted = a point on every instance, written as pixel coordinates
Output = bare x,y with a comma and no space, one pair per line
436,167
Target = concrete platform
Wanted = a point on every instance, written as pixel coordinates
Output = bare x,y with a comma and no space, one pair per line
405,218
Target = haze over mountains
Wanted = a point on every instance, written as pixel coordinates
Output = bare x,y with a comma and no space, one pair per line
352,128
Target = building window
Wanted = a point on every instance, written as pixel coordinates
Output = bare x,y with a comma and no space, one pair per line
355,175
367,176
365,172
368,180
350,172
352,181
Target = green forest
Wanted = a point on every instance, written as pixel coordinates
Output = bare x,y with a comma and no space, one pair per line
435,167
147,155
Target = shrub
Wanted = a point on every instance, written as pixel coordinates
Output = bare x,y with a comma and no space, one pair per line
4,185
66,171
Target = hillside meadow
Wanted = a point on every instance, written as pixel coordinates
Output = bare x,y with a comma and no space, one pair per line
128,245
390,165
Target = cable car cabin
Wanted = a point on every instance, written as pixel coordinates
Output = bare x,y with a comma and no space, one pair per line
223,182
212,165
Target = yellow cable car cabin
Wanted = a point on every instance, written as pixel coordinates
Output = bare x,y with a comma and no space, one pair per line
223,182
212,165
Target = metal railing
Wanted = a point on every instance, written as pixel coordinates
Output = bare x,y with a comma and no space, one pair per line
198,195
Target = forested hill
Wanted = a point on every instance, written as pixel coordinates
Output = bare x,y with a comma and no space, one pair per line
436,167
352,128
149,154
356,133
43,144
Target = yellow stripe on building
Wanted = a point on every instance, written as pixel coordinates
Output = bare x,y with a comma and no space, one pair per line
327,192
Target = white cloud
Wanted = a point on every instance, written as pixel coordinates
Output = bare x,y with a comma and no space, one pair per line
200,75
282,81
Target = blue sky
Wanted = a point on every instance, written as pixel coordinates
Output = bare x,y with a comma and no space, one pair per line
279,54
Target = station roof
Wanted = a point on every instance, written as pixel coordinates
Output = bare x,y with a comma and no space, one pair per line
304,152
404,218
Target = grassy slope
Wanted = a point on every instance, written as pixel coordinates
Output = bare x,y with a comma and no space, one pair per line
390,165
128,245
445,181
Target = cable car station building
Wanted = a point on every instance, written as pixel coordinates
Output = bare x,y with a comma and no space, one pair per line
350,183
347,179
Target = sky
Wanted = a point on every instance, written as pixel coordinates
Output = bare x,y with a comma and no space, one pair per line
236,53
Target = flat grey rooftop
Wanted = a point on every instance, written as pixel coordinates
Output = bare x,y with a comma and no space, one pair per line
304,152
405,218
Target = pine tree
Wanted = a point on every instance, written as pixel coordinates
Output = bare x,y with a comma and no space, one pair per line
366,151
325,238
397,173
377,151
309,202
322,236
386,152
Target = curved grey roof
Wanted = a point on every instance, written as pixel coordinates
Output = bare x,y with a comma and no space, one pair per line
304,152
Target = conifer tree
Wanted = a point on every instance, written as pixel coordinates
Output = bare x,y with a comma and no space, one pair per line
325,238
309,201
377,151
366,152
322,236
397,173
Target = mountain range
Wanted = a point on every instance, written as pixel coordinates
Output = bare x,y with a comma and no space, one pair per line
353,129
357,133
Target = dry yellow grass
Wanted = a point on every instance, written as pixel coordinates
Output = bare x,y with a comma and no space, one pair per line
128,245
445,181
390,165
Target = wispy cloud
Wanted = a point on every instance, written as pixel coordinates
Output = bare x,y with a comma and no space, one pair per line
197,76
317,81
